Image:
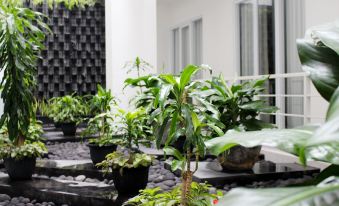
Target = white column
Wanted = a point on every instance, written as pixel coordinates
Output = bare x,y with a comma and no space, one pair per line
130,32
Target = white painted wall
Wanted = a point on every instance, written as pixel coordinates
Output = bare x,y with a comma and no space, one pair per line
130,32
218,31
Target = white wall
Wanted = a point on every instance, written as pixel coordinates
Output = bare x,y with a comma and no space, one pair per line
218,31
130,32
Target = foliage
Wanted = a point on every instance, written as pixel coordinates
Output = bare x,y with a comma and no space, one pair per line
102,124
20,43
101,102
178,116
68,109
139,65
319,55
133,127
119,161
199,196
70,4
236,103
35,130
29,149
150,86
324,194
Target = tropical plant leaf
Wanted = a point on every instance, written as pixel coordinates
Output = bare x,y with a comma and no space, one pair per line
321,195
322,64
333,109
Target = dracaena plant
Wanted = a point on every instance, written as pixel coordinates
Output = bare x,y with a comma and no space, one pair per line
101,102
319,55
178,116
21,40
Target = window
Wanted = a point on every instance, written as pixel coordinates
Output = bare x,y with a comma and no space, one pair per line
267,33
187,45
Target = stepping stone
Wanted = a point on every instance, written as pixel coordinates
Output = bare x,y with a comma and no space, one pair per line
62,191
58,136
212,173
70,168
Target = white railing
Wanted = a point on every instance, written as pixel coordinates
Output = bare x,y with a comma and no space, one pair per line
280,96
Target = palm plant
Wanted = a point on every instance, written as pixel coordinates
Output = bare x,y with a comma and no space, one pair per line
185,119
319,55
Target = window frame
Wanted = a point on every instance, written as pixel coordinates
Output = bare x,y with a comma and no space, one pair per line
190,24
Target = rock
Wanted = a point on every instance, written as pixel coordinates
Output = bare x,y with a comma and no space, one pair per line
69,178
29,204
165,187
15,200
212,190
169,176
159,179
62,177
25,200
90,180
80,178
4,197
169,183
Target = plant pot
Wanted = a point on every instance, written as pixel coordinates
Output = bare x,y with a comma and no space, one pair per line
20,169
69,129
131,180
45,119
98,154
57,125
239,158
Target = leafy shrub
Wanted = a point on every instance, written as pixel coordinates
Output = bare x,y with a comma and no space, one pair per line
101,102
119,160
199,196
67,109
29,149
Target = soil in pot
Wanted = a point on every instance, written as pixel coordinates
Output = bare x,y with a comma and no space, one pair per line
131,180
20,169
98,154
239,158
69,129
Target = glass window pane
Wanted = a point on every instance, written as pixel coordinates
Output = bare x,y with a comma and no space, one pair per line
246,39
185,55
197,45
176,53
266,37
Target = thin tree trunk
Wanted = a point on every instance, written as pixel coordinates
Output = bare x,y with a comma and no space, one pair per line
186,181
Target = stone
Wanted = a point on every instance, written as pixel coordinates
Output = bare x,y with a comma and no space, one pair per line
4,197
169,183
169,176
80,178
69,178
15,200
25,200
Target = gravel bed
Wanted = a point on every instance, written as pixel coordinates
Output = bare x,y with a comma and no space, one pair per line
68,151
6,200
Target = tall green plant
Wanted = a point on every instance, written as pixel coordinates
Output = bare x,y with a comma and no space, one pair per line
21,40
178,116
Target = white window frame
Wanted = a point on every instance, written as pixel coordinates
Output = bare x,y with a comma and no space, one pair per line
280,74
180,27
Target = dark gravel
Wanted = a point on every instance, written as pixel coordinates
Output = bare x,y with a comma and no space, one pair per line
6,200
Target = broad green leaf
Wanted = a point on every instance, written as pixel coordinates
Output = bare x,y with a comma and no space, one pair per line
333,109
321,195
322,64
328,34
195,120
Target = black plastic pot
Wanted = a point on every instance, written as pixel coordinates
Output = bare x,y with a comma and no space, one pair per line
57,125
20,169
98,154
131,180
69,129
45,120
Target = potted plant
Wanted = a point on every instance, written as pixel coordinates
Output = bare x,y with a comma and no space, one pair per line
20,44
188,120
129,168
107,139
69,113
238,110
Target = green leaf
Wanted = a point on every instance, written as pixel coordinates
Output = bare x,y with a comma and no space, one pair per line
186,75
333,109
328,34
174,152
322,64
321,195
